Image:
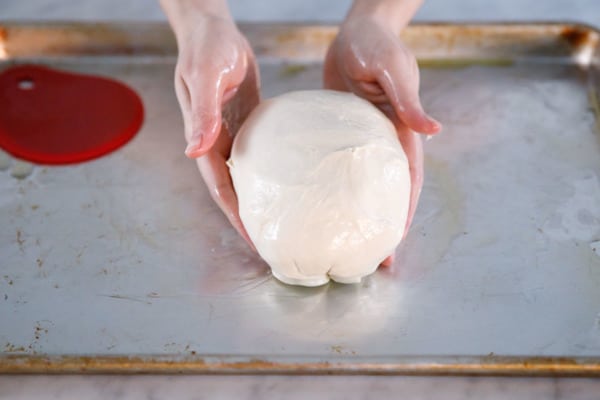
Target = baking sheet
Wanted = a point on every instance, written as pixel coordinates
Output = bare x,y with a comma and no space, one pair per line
124,264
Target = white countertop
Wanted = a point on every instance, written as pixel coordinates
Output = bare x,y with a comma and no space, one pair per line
330,387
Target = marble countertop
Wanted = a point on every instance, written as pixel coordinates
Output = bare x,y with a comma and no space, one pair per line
294,387
299,387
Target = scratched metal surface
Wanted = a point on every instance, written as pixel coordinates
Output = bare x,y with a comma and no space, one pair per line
128,256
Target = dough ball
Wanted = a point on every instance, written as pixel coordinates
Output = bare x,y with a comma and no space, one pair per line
323,186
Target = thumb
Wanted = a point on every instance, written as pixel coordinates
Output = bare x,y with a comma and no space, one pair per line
204,123
402,88
208,92
410,111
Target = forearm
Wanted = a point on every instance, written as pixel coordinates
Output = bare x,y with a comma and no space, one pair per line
394,13
182,13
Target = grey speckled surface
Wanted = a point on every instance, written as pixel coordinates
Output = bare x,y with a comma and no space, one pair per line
294,387
261,387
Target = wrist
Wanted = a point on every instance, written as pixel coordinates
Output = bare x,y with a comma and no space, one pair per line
393,14
184,14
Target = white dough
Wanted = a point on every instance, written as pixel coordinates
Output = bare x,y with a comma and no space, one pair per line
323,186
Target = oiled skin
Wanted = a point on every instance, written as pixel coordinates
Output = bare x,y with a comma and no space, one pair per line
217,80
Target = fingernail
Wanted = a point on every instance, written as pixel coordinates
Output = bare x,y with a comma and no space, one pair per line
189,150
435,125
193,151
193,146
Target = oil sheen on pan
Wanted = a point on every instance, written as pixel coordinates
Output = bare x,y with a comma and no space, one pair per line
55,117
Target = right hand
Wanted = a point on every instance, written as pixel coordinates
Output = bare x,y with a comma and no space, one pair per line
217,85
368,58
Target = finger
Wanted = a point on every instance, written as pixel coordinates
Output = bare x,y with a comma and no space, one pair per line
388,261
400,81
215,172
332,79
247,98
413,148
371,88
183,97
370,91
208,92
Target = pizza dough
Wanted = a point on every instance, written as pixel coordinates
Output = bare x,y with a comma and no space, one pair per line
323,186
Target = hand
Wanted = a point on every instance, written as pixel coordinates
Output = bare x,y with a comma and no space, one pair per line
413,147
217,85
368,59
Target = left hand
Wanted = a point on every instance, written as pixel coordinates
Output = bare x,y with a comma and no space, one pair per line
369,59
217,85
